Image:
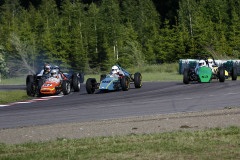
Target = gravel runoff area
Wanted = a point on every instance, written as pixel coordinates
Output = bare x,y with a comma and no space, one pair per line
124,126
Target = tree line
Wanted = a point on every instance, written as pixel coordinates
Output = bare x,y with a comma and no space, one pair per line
92,36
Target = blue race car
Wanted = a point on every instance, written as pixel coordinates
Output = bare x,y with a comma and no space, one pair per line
118,79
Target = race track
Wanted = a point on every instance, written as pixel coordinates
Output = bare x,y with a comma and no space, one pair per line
152,98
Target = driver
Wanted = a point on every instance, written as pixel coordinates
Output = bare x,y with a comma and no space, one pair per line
201,63
54,74
210,63
116,72
46,70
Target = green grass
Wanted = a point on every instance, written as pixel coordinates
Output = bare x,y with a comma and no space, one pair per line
13,81
157,68
206,144
13,96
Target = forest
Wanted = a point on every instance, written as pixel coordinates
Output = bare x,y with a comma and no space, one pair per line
92,35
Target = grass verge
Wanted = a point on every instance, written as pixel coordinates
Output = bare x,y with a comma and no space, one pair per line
13,81
13,96
206,144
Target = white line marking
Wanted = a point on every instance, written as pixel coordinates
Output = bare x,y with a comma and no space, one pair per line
31,100
24,102
44,97
4,105
40,99
55,96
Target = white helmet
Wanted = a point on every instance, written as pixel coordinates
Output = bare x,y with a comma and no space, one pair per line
202,63
115,70
54,73
210,61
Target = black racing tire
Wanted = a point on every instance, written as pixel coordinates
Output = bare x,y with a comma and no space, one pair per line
90,85
125,83
29,79
76,83
30,85
221,74
234,73
103,76
186,76
137,80
66,87
31,91
39,86
81,77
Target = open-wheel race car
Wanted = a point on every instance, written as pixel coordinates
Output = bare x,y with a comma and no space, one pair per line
118,79
206,70
53,82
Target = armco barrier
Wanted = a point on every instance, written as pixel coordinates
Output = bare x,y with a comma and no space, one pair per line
228,64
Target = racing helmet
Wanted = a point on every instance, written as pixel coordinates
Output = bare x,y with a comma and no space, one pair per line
210,62
115,70
201,63
57,68
54,73
47,68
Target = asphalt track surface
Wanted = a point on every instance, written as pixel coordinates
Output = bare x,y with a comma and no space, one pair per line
152,98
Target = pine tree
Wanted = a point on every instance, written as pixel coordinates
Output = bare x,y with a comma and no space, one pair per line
51,22
92,35
235,32
110,31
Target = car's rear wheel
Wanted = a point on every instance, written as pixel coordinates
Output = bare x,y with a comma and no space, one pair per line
186,76
81,77
137,80
66,87
234,73
221,74
125,82
76,83
91,85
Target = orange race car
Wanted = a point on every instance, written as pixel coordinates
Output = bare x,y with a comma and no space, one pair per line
54,83
58,82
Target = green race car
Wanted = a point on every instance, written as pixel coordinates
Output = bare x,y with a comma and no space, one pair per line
206,70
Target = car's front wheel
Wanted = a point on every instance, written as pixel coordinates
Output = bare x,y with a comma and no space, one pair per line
30,86
31,89
125,82
66,87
